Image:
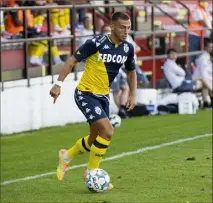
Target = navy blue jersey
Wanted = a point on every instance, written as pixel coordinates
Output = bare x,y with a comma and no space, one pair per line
103,61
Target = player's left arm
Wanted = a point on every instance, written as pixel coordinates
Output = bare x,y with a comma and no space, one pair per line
132,79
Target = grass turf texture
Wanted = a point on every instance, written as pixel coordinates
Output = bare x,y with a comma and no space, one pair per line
159,175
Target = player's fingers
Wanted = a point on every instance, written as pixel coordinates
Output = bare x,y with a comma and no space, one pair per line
55,98
52,93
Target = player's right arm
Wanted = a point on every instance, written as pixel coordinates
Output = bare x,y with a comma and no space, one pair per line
83,52
66,69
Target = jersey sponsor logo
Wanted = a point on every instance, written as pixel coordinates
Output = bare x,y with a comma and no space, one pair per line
112,58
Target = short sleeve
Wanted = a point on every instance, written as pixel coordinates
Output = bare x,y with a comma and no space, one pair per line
87,49
130,62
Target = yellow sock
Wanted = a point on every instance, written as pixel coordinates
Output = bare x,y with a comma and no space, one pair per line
40,19
54,16
54,51
81,146
37,49
97,151
62,19
2,27
67,15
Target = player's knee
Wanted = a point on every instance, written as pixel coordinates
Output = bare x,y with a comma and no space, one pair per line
108,133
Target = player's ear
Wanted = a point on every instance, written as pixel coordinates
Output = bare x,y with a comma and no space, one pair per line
112,26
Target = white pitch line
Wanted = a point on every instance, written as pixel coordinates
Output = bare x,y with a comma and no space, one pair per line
141,150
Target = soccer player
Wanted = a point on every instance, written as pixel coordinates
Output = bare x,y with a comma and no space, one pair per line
104,55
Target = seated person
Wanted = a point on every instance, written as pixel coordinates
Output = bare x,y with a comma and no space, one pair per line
175,75
204,66
120,91
16,28
85,30
142,80
60,18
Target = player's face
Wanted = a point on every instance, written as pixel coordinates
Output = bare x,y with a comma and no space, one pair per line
120,29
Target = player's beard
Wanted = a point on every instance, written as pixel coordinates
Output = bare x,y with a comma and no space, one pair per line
119,37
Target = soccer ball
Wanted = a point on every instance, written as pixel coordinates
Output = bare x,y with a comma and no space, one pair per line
97,180
115,120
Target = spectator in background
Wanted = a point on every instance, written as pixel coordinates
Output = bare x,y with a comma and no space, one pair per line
99,23
85,29
141,77
175,75
60,18
200,18
105,30
142,80
38,48
16,28
4,34
204,67
82,11
120,91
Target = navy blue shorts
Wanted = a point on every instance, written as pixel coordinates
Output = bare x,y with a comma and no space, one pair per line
186,86
94,107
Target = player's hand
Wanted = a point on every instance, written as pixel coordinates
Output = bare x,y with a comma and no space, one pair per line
55,92
131,102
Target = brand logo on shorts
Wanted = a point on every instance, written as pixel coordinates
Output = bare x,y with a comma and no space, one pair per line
98,110
79,92
88,110
80,98
84,103
91,117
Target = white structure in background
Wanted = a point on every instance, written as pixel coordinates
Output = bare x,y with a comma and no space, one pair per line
28,108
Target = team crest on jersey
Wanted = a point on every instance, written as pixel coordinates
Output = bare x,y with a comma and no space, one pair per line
126,48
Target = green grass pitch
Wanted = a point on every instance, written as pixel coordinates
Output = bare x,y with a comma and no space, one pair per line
178,172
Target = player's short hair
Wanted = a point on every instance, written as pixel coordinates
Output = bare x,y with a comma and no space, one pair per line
119,15
169,51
